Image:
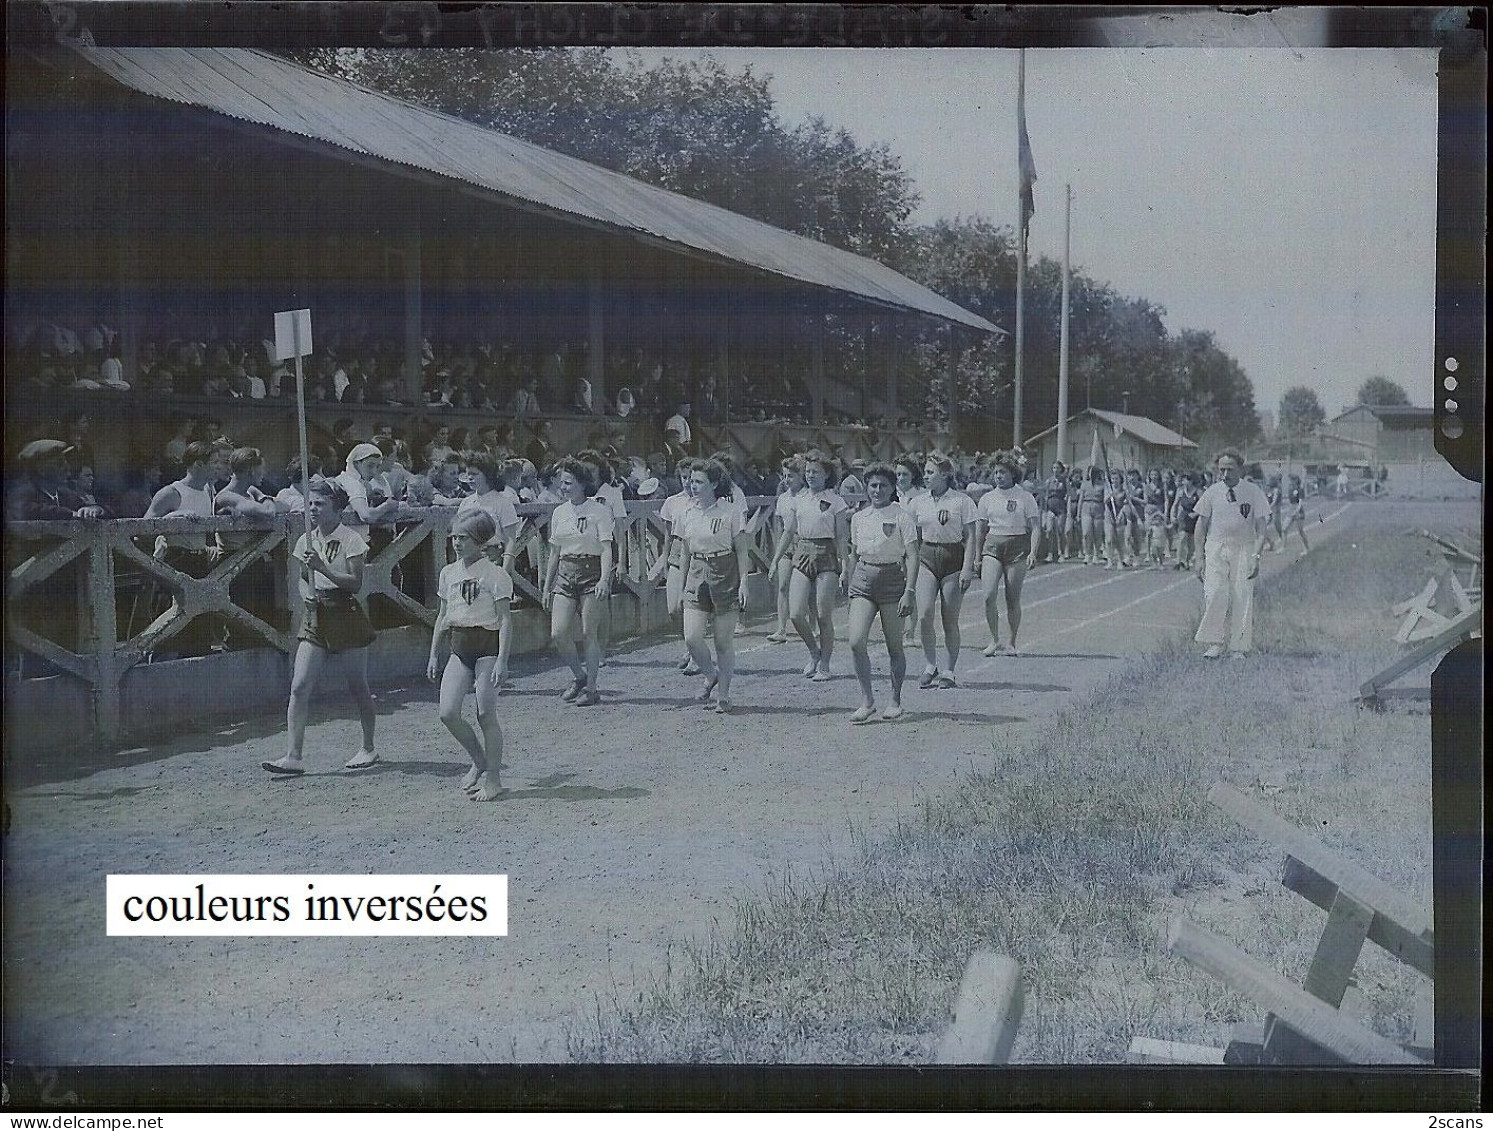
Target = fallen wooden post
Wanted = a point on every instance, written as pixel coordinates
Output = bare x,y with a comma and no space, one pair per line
1313,1019
987,1012
1467,625
1153,1051
1421,600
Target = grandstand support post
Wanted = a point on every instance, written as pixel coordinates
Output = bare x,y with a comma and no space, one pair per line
893,363
596,340
723,352
129,284
413,316
817,314
103,635
953,362
868,338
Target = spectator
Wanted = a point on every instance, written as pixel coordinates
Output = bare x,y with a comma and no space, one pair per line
526,399
84,485
76,428
363,481
241,497
289,497
541,450
676,429
43,493
555,380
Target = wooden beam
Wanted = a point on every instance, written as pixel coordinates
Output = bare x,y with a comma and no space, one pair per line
1152,1051
1337,953
41,566
1415,949
1315,1020
1421,600
987,1012
1464,626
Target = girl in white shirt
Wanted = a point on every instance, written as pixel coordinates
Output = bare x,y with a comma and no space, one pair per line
671,513
485,472
910,489
793,487
334,624
883,571
817,529
1011,522
476,603
946,519
579,577
714,536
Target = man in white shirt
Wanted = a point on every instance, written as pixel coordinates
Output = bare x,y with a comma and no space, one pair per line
1232,514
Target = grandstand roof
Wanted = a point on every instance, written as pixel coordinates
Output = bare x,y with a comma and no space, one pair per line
266,90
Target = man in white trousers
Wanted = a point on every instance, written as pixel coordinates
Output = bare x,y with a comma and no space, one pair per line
1232,514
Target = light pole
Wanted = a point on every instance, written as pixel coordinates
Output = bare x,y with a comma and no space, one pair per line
1125,402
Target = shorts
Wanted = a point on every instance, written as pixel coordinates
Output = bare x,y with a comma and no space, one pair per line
336,623
577,576
942,558
676,553
713,583
813,556
472,644
1008,549
1093,512
881,583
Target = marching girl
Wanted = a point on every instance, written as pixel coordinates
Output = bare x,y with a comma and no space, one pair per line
671,513
485,473
579,576
1135,516
1155,512
793,486
334,623
609,493
947,552
714,535
1091,521
1072,540
1295,515
1276,496
1183,519
1010,519
818,526
1115,532
1054,511
476,612
910,489
882,580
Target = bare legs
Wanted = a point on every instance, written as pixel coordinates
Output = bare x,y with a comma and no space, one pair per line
486,753
1013,575
862,615
811,604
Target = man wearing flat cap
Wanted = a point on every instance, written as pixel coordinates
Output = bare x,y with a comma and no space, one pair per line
43,493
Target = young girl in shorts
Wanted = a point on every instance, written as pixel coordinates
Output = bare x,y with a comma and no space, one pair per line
1114,522
333,624
818,525
1295,514
1091,515
476,613
947,553
579,577
883,571
1155,512
714,535
1011,524
792,487
671,513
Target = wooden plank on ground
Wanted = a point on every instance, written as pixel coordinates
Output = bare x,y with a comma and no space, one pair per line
1315,1020
1153,1051
987,1012
1468,624
1429,625
1459,594
1421,600
1415,949
1337,953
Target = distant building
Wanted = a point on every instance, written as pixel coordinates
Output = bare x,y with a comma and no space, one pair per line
1129,441
1267,423
1387,433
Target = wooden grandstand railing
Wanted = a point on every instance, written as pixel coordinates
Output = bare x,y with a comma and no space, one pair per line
86,626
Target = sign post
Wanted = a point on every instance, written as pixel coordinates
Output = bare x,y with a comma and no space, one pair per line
293,339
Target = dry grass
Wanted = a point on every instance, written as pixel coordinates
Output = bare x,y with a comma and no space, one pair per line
1074,852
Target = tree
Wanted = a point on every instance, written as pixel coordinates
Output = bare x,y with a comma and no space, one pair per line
1379,390
1300,412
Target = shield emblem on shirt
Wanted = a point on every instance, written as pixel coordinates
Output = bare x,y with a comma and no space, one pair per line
1244,509
332,547
888,529
1011,505
824,505
715,526
580,524
469,590
943,518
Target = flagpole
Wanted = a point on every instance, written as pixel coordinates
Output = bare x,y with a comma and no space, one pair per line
1020,245
300,412
1063,337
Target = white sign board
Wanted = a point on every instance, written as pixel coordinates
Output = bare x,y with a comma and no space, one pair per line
287,324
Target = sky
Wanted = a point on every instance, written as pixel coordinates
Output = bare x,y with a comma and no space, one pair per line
1283,199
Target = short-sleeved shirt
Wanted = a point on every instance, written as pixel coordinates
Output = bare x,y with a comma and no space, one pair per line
1055,490
476,595
815,513
1008,511
611,495
357,494
579,531
1232,522
336,549
786,499
881,536
673,508
942,520
499,509
912,496
712,529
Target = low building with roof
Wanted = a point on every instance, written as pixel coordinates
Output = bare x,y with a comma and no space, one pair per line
1128,441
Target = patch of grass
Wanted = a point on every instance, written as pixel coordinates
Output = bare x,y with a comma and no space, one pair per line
1075,850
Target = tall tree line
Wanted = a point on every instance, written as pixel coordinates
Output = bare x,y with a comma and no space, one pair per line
712,133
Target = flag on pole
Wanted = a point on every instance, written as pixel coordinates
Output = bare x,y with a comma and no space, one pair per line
1024,151
1096,455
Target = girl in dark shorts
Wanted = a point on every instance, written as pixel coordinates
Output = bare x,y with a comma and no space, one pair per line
579,577
946,532
334,624
791,488
1010,529
882,574
476,612
716,545
818,525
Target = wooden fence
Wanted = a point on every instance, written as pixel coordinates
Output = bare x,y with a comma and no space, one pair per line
93,600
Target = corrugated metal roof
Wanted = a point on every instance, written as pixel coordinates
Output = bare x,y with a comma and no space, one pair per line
254,86
1143,428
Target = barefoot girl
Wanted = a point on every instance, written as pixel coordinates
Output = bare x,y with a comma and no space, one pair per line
946,530
671,513
882,579
792,480
1010,519
579,576
333,624
714,534
817,529
476,603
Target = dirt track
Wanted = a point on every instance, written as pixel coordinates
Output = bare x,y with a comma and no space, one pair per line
632,824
